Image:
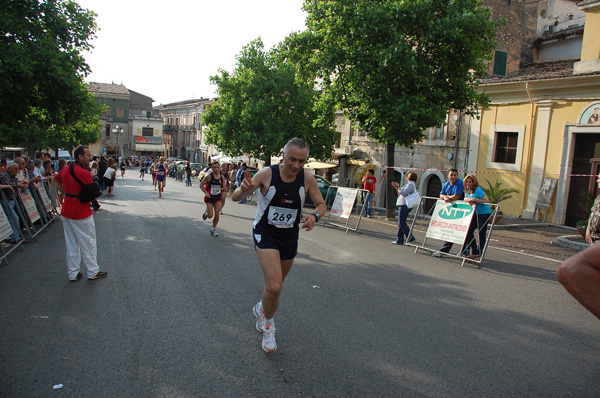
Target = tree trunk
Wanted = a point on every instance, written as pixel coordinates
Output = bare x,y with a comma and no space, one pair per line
389,190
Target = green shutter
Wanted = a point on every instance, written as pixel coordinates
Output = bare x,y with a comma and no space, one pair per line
500,60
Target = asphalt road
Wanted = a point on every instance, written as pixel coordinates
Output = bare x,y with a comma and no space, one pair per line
173,318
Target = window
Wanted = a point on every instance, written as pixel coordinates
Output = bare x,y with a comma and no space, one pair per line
108,127
500,62
505,148
147,131
120,112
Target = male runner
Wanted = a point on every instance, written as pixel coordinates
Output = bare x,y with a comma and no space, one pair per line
214,187
282,189
161,176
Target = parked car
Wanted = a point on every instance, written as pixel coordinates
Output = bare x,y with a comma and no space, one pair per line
324,188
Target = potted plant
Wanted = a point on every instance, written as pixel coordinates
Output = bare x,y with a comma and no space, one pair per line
581,226
497,194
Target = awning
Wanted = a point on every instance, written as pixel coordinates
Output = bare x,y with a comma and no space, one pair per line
320,165
149,147
362,170
356,162
13,149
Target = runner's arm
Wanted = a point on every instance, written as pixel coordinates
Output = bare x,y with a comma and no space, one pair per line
312,189
250,184
203,184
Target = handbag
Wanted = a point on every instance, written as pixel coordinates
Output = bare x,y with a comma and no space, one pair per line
412,200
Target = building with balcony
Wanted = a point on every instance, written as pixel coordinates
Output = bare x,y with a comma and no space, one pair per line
183,129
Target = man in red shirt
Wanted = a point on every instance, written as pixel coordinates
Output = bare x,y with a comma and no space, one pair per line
369,181
78,223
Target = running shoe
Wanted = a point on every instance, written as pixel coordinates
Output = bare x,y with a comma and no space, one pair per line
204,216
260,318
269,344
436,254
213,232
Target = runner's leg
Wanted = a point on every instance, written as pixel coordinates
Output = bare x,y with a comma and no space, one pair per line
274,270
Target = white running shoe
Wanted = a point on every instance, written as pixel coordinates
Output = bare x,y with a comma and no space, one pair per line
213,232
260,318
269,344
436,254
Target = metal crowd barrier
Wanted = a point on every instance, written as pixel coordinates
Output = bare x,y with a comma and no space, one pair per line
36,210
344,207
422,221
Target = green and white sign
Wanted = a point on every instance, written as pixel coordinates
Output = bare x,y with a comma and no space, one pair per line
450,221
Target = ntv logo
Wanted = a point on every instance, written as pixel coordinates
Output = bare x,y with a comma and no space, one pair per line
455,211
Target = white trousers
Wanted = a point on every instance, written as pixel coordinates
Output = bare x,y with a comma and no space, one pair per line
80,237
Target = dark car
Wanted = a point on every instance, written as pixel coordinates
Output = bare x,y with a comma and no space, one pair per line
324,188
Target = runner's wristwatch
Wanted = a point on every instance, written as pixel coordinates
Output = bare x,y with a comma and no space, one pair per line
317,216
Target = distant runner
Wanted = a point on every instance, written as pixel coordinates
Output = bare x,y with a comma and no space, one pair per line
214,187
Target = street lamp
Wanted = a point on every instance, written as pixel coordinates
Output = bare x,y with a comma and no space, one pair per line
116,131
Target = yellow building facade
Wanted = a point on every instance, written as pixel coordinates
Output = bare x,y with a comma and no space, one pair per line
541,127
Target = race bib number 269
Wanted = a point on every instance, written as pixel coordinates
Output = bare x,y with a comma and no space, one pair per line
281,217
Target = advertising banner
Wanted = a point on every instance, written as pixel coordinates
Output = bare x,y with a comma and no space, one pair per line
5,229
450,221
45,198
29,205
343,202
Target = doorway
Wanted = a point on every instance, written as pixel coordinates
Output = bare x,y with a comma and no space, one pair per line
586,161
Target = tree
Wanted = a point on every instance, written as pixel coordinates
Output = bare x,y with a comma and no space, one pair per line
262,105
43,98
397,67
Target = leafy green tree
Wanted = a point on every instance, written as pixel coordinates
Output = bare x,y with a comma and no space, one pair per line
43,98
397,67
262,105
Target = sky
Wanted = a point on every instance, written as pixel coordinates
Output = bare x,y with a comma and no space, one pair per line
168,50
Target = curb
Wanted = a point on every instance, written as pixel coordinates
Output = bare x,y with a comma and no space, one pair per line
567,241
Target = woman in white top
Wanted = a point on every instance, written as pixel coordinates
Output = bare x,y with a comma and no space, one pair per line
403,210
109,177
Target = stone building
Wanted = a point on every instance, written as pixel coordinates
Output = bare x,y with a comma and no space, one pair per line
183,128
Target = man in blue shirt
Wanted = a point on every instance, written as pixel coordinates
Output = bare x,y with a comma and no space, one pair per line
453,189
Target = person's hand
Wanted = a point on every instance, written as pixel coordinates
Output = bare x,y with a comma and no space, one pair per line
308,222
247,183
588,236
395,184
447,199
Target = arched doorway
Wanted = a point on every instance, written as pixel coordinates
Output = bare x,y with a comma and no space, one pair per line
434,187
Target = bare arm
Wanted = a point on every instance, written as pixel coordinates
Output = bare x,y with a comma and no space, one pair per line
312,189
580,275
261,180
205,180
58,186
